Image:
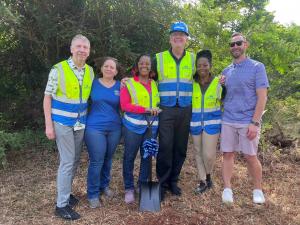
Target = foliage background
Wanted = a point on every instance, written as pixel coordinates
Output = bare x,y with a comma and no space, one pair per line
35,34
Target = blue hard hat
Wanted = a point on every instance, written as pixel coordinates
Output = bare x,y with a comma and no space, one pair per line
179,27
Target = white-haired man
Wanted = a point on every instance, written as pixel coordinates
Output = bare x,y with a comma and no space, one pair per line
65,106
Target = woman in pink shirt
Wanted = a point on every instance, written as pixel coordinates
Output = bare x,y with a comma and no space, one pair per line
138,97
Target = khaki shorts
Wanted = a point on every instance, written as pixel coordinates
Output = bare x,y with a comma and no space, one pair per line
234,139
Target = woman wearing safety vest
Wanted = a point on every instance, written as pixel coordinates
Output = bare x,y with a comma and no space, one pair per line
103,129
138,97
206,119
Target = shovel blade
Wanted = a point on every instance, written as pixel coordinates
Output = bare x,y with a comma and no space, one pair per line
150,197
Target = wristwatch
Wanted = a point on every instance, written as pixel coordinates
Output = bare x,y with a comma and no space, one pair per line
255,123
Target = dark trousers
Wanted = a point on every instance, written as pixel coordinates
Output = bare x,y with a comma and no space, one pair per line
174,126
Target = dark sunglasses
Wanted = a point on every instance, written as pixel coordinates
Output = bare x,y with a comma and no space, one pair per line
238,43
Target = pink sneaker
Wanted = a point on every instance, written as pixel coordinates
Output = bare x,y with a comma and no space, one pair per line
129,196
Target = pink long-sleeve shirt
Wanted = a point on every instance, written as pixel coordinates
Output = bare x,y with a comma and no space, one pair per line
125,99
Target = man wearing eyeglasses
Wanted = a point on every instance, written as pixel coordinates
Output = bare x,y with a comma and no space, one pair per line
246,83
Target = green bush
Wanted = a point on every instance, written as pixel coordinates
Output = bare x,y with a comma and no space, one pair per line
8,141
284,115
22,140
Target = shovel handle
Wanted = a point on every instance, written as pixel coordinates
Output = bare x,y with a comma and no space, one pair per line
149,134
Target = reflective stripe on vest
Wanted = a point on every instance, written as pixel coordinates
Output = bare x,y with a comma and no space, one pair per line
206,123
139,122
173,93
206,110
67,100
67,114
175,81
132,92
188,81
70,102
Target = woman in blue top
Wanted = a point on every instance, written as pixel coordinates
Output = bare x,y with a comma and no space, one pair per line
103,129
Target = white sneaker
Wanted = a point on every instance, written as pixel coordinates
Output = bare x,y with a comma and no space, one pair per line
227,196
129,196
258,196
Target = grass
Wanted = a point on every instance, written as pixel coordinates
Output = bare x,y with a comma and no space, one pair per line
28,191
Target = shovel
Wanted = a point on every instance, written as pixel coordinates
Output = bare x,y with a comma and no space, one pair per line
150,190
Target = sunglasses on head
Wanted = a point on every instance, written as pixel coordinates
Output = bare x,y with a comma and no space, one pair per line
238,43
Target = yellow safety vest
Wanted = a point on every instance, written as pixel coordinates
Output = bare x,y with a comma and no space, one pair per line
140,96
206,109
175,80
68,85
69,104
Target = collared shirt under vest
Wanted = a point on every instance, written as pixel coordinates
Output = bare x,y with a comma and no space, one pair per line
175,79
69,104
206,113
140,96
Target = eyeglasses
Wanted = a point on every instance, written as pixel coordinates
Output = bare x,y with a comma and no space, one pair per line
238,43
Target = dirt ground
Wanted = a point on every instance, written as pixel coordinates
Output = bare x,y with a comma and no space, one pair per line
27,194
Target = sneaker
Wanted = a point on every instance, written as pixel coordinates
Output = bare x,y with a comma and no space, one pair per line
258,196
129,196
66,213
227,196
209,184
175,190
202,187
108,192
73,201
94,203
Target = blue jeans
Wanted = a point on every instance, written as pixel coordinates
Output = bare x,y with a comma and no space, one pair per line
134,142
101,147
